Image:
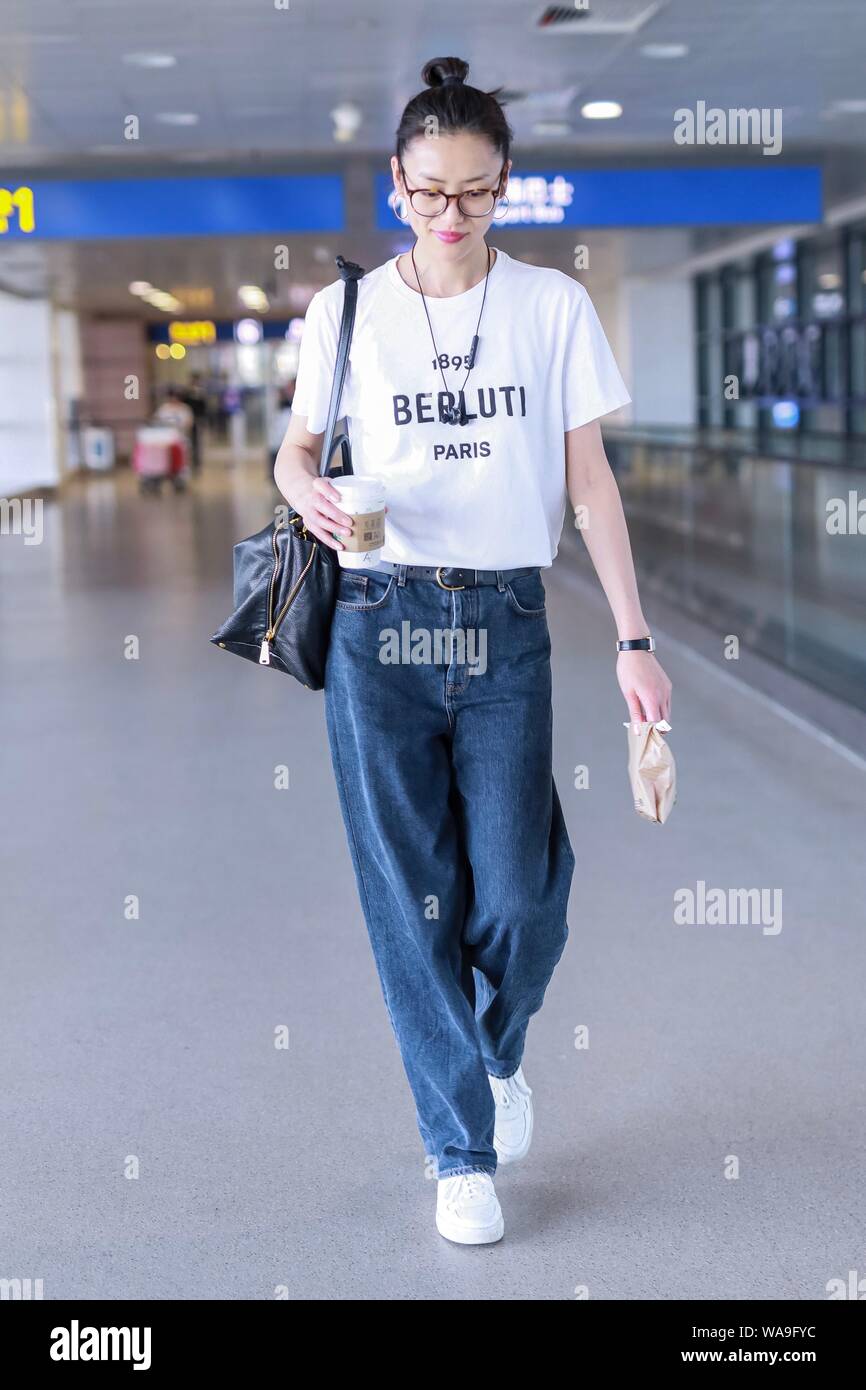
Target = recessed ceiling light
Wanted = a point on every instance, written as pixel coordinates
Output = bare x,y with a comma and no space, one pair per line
150,60
176,117
601,110
850,106
140,287
665,50
252,297
829,280
347,119
161,300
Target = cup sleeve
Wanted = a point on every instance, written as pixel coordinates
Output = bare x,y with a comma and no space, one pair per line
316,360
592,385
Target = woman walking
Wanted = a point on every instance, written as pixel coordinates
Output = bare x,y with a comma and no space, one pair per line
474,390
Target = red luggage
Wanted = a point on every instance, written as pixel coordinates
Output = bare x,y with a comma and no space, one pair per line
160,452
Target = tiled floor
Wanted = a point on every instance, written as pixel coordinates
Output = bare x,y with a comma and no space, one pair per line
146,1044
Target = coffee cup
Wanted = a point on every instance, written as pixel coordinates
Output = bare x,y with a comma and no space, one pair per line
363,499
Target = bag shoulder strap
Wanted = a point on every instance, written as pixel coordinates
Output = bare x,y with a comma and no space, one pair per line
350,275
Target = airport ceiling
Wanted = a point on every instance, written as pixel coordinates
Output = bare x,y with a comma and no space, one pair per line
265,80
255,84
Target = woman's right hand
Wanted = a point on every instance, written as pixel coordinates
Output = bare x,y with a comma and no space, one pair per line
315,499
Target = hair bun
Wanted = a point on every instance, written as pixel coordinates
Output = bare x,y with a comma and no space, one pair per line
441,70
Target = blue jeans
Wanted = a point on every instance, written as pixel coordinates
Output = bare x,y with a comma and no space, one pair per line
441,747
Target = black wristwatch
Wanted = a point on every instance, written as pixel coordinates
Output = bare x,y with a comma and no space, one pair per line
637,644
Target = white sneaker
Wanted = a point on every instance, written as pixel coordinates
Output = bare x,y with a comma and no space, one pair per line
467,1209
512,1134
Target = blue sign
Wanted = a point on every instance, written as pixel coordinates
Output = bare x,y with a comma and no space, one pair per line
687,197
100,209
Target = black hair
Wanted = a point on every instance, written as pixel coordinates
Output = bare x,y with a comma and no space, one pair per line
454,106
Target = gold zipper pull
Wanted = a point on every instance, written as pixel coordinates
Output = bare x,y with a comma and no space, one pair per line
265,653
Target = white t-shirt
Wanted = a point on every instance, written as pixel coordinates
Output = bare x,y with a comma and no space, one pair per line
490,494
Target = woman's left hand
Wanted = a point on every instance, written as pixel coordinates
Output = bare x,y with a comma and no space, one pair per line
645,686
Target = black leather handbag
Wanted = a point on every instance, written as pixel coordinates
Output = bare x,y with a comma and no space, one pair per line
285,580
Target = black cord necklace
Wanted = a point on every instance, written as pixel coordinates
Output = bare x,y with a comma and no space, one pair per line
454,414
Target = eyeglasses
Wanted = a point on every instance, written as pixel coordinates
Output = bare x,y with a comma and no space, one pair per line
475,202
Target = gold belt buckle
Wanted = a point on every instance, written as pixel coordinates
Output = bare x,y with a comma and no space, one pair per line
451,587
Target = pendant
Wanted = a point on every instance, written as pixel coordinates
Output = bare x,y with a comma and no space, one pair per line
455,415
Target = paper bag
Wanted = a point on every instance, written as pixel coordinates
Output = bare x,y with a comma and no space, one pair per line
652,770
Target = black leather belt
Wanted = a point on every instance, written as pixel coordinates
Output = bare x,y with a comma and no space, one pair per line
452,576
